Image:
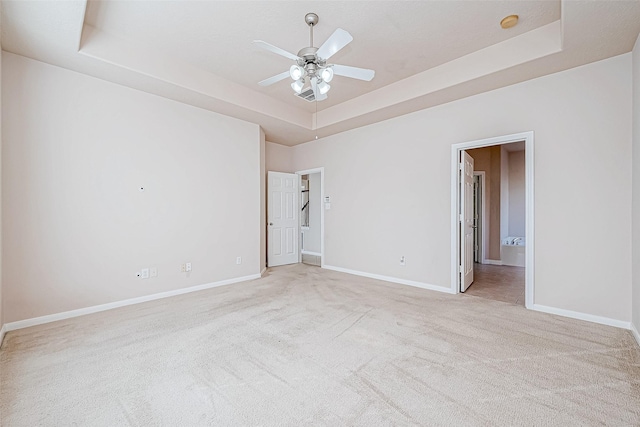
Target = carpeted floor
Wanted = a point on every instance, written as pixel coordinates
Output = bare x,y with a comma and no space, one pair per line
306,346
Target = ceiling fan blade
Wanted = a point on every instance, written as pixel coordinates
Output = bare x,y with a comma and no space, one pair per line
275,49
353,72
339,39
274,79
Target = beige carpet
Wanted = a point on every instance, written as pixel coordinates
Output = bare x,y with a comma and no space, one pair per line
306,346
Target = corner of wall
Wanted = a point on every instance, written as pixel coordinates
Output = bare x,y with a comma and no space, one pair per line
263,203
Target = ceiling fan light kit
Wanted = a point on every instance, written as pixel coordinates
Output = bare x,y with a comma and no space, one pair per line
311,63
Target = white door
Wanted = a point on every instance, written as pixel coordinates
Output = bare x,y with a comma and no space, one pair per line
282,218
466,221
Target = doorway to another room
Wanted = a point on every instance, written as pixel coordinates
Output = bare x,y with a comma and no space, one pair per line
493,230
295,217
310,218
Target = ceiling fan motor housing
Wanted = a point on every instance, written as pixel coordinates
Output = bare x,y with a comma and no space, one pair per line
310,61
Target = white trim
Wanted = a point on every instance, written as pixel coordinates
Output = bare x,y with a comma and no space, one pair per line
321,171
635,332
492,261
311,253
3,330
103,307
529,284
527,137
582,316
390,279
264,270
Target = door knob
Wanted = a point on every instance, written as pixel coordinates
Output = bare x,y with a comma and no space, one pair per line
270,223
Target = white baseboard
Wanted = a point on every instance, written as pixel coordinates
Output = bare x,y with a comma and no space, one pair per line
103,307
582,316
492,261
391,279
3,330
311,253
634,330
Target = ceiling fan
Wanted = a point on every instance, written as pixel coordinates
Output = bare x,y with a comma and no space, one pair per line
311,62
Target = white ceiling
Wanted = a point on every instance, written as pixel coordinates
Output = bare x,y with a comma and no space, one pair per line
424,52
396,39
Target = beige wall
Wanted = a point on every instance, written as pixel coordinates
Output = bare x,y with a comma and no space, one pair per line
636,185
278,158
517,193
487,159
390,186
76,227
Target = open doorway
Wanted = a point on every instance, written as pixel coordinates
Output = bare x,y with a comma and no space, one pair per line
492,218
311,216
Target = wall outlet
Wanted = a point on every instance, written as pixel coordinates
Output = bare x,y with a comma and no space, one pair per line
188,267
239,260
183,268
402,260
144,273
153,271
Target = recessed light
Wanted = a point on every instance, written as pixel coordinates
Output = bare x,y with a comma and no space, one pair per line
509,21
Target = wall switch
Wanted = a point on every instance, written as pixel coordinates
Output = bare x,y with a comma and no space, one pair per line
188,267
144,273
153,272
183,268
239,260
402,260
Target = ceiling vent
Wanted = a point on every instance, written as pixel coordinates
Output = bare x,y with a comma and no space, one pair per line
307,95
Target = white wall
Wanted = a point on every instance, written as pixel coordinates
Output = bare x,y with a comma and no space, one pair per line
517,206
582,123
1,244
312,235
278,158
76,227
636,187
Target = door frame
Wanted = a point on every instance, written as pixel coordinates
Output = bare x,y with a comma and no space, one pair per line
308,172
528,138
